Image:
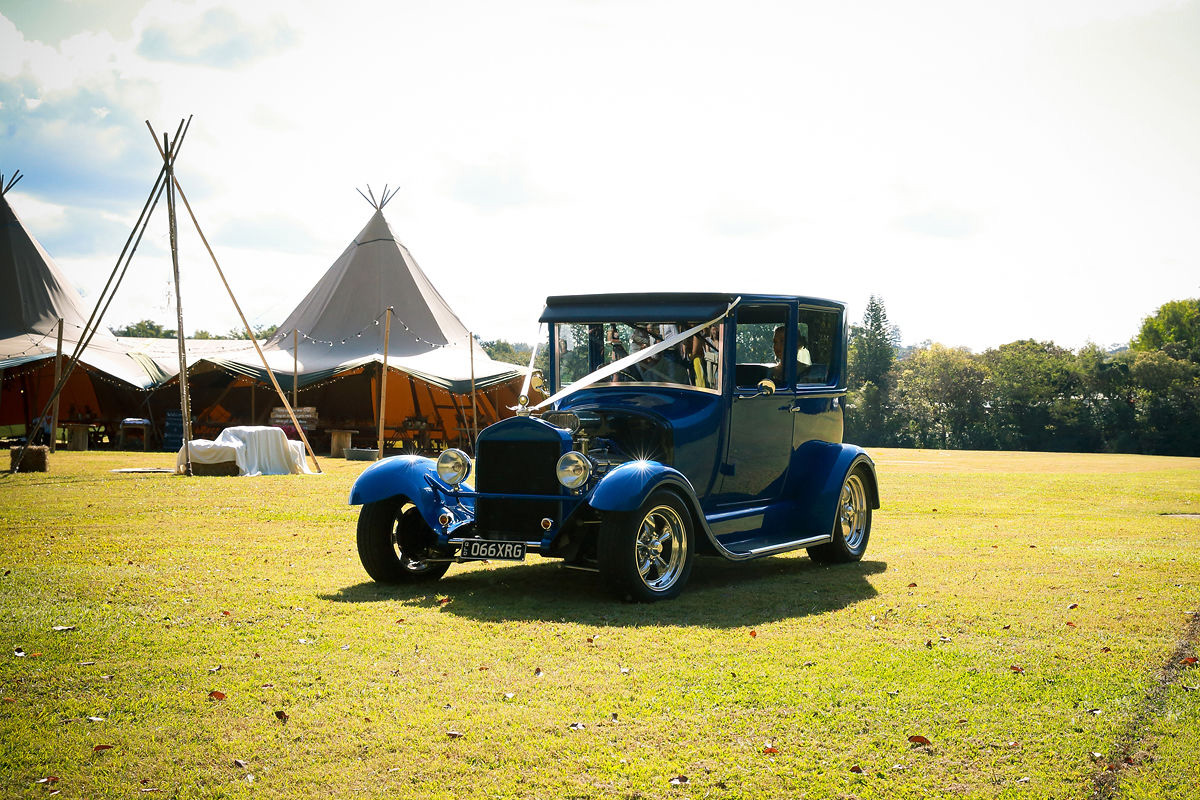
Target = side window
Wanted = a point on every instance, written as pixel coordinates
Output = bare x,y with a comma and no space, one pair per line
818,333
760,341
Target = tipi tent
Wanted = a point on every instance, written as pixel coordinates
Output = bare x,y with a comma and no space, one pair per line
111,382
334,341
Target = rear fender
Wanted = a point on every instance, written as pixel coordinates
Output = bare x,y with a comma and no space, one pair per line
400,476
823,501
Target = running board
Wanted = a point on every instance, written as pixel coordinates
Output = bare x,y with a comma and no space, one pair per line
758,552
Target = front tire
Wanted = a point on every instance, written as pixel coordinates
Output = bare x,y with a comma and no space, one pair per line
647,555
851,524
393,540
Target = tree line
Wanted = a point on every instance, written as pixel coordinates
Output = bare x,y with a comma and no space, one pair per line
1027,394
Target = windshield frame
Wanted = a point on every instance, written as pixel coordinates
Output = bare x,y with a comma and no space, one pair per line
600,352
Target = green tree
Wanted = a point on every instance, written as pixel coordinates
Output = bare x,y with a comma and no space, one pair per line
941,398
1037,398
870,380
146,329
1174,329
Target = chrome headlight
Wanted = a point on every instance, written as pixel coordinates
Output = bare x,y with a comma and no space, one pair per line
453,466
573,469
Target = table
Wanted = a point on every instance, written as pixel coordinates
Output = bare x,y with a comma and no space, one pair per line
77,435
339,440
142,425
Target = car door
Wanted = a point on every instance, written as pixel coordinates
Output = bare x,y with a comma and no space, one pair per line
759,442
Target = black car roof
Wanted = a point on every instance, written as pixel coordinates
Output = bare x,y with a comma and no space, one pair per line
657,306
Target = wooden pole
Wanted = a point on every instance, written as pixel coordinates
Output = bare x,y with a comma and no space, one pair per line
383,376
474,407
57,397
185,401
245,323
295,364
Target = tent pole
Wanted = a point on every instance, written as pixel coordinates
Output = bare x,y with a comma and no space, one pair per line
58,397
102,303
383,375
185,405
245,324
474,407
295,365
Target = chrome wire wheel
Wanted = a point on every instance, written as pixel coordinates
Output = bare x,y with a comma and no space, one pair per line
853,516
661,548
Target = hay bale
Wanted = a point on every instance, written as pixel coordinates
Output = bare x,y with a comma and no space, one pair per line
36,459
221,469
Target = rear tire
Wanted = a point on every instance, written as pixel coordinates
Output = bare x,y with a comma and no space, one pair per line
647,555
851,524
393,539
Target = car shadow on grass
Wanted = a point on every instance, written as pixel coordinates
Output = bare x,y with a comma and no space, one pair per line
720,594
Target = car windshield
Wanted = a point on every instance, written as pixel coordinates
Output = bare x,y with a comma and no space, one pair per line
583,348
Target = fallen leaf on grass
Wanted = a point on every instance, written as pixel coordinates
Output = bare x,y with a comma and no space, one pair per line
592,639
453,734
50,779
225,614
1017,668
1070,624
1096,756
484,667
613,716
944,639
576,726
18,652
893,692
537,673
509,695
1105,649
282,716
217,668
929,643
919,739
770,750
1188,661
1073,606
679,780
624,670
1022,780
856,769
99,747
216,694
1188,687
1006,627
61,628
87,663
237,762
912,586
753,634
95,719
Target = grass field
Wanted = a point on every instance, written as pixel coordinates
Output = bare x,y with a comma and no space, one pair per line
1029,614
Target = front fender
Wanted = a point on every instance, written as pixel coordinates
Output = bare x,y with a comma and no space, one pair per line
626,487
399,475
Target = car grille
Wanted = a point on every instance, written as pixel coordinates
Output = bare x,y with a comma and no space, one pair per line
517,468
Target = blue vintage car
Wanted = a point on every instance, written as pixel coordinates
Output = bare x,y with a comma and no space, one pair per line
677,425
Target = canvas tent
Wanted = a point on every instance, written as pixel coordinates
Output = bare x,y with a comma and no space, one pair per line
334,340
111,382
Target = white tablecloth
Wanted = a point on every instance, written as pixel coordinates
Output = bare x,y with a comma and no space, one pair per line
257,449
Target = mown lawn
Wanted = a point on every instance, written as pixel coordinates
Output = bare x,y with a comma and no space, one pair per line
1017,610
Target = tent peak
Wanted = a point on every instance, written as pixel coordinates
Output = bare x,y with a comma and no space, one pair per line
16,176
383,198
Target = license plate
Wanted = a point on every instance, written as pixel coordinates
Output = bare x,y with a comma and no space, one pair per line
499,551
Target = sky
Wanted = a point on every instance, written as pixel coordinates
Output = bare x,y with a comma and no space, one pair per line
992,171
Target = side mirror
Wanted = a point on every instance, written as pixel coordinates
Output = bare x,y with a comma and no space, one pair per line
766,387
